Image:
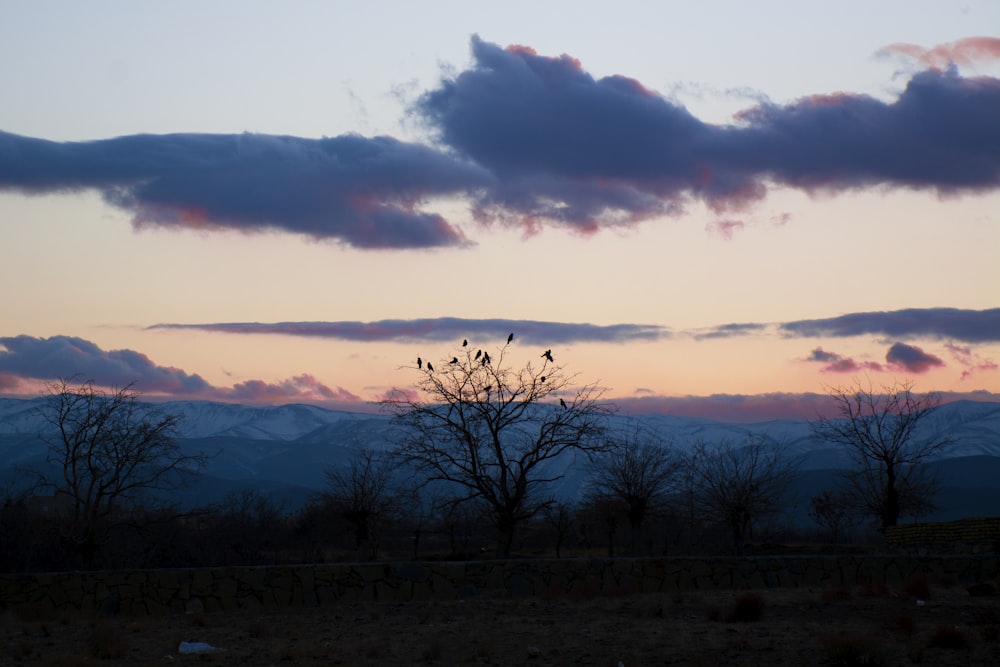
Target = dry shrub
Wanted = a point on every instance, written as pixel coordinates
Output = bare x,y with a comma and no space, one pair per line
917,587
948,637
106,643
747,608
845,650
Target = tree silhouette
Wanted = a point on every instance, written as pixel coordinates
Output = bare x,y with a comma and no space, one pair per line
737,484
880,430
637,473
113,452
492,430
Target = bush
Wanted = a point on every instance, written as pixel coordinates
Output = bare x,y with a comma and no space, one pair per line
747,608
949,637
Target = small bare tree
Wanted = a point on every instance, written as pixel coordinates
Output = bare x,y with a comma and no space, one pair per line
833,510
363,493
637,473
493,431
559,518
113,452
738,484
880,430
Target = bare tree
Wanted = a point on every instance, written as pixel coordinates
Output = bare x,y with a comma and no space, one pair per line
879,428
363,493
493,431
738,484
638,473
833,510
559,517
113,451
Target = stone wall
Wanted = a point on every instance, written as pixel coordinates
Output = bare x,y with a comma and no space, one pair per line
225,589
976,534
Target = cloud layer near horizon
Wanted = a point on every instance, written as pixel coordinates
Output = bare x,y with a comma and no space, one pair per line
65,357
50,359
481,331
531,139
971,326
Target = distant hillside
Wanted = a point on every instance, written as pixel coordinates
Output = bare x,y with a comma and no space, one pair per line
285,450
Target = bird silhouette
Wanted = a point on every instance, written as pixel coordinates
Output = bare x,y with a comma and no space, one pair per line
429,367
563,403
479,353
454,360
465,342
543,378
486,358
510,338
488,388
420,362
548,355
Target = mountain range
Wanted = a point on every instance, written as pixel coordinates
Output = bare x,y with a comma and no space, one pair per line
285,451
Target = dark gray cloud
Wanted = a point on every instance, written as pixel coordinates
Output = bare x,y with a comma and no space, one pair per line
479,332
364,192
971,326
66,356
730,330
532,139
911,358
584,151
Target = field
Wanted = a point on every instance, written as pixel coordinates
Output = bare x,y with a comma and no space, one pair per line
833,626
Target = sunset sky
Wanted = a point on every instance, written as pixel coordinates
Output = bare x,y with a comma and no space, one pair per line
716,208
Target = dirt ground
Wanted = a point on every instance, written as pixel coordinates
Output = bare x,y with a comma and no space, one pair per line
707,628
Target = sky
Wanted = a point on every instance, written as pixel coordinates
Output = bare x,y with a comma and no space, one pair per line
722,209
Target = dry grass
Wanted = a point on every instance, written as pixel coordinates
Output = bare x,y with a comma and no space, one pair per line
830,626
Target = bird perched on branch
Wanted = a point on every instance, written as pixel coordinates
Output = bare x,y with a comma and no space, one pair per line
420,362
479,353
563,403
510,338
486,358
429,367
465,342
548,355
454,360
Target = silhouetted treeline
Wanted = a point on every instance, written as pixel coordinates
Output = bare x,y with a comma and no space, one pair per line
250,529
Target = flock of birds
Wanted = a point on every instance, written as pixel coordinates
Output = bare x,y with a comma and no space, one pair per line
484,358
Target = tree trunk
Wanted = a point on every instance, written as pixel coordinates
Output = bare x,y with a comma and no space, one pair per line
505,537
890,505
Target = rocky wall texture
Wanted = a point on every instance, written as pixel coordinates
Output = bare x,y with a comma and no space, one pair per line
976,534
224,589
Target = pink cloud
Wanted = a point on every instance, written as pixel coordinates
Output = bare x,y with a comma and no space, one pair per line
969,360
836,363
961,52
303,387
8,382
725,228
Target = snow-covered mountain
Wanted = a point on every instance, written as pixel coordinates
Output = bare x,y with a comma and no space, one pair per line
293,445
